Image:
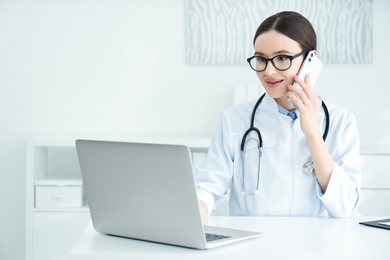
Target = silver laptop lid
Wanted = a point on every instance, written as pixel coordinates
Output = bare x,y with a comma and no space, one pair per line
142,191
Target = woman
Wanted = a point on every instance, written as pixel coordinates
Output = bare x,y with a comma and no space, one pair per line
276,184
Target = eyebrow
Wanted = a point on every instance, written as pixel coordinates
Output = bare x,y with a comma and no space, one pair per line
275,53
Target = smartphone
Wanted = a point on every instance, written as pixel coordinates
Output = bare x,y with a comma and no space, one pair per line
312,66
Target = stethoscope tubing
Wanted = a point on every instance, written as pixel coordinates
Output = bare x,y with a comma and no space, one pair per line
253,128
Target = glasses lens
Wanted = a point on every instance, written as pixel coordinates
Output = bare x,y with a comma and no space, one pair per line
282,62
258,63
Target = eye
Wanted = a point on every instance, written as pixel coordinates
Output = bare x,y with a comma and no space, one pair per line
281,58
260,59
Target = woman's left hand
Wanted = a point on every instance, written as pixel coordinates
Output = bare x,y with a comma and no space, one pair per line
309,107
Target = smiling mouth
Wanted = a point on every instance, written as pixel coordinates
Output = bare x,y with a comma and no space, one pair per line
274,83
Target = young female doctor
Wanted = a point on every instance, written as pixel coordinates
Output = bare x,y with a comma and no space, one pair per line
295,172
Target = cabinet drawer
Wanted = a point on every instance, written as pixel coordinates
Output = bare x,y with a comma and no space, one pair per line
374,202
58,193
55,233
375,171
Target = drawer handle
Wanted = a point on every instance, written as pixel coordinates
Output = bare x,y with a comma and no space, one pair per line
58,195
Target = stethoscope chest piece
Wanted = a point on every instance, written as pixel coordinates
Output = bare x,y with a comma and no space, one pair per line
308,169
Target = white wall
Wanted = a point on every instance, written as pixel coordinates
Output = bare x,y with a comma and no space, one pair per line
117,67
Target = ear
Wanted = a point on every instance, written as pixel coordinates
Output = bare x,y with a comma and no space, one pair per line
315,52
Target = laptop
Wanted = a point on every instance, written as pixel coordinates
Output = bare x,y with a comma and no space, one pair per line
147,192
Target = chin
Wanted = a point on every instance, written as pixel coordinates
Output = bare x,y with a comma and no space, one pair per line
276,93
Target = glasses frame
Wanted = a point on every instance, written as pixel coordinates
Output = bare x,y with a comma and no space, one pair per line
272,60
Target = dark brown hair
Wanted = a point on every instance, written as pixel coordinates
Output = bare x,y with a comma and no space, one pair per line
293,25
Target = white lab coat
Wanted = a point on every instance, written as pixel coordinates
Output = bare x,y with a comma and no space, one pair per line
284,188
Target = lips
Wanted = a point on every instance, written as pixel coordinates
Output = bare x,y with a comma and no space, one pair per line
273,83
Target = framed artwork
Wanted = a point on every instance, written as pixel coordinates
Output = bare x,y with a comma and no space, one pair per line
220,32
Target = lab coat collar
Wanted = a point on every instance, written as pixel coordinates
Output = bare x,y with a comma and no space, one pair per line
271,103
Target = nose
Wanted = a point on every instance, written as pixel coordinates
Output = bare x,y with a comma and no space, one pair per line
270,69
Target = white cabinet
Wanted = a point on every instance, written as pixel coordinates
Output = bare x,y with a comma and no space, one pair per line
52,228
375,192
55,233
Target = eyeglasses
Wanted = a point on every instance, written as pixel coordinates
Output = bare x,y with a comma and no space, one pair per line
280,62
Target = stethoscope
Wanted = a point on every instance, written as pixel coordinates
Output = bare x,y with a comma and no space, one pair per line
307,168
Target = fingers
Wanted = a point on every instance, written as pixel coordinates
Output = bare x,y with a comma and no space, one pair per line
295,99
307,92
305,85
203,211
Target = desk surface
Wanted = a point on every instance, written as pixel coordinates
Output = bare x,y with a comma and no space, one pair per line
284,238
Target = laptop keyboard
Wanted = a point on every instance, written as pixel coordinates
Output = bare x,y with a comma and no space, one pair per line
213,237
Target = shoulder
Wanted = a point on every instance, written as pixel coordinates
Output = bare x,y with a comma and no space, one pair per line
339,113
245,108
341,119
241,110
237,117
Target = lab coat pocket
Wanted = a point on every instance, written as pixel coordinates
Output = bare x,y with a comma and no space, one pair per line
269,139
270,159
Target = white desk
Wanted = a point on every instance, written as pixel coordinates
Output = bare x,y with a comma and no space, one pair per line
284,238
